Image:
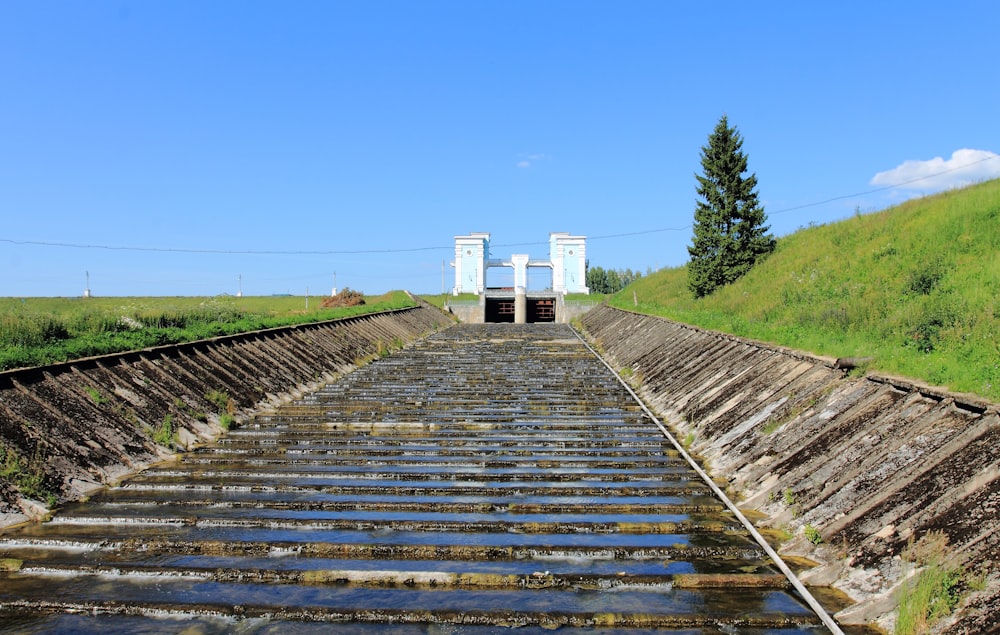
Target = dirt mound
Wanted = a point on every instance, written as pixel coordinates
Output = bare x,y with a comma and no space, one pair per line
347,297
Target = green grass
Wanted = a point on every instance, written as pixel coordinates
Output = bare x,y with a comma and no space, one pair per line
916,287
444,299
584,298
38,331
935,589
812,534
220,400
165,434
438,299
27,475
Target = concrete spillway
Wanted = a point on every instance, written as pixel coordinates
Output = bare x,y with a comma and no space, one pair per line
487,476
68,428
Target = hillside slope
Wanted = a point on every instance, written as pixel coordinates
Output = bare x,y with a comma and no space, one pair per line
914,287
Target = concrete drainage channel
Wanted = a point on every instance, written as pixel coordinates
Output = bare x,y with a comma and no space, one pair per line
488,476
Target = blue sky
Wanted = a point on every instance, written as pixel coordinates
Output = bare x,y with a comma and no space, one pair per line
185,148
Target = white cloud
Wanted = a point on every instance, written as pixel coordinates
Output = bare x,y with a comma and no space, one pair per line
963,168
528,160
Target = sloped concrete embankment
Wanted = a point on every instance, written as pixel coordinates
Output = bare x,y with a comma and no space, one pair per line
75,426
870,462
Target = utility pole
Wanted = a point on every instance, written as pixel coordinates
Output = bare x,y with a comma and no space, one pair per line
442,278
307,298
86,290
239,294
334,292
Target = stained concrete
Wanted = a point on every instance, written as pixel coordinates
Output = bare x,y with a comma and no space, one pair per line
871,462
84,424
494,475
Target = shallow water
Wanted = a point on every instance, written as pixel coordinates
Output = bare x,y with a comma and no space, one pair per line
523,488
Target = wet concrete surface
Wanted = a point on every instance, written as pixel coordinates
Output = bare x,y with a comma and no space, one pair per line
488,476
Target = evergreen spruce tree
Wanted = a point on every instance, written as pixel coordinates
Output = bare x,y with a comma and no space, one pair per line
730,234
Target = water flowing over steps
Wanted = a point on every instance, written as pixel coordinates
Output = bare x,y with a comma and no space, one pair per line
489,476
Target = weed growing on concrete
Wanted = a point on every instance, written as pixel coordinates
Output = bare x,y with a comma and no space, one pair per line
788,497
219,399
383,349
164,435
96,396
181,405
773,424
225,406
858,371
812,534
688,440
934,591
127,414
26,475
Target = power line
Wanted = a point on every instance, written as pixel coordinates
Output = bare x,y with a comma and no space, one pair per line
887,187
235,252
817,203
345,252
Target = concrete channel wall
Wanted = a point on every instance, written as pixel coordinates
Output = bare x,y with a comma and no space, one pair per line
75,426
871,463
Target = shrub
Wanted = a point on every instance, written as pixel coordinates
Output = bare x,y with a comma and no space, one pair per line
924,279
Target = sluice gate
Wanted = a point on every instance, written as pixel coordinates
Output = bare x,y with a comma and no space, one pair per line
489,476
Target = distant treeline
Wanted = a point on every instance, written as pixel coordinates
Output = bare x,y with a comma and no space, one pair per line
600,280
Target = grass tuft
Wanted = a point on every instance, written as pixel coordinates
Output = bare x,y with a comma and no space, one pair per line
934,591
165,434
27,475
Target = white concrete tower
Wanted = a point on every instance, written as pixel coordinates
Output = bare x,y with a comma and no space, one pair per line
471,254
568,255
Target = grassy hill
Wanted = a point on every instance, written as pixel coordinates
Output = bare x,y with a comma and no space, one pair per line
916,287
